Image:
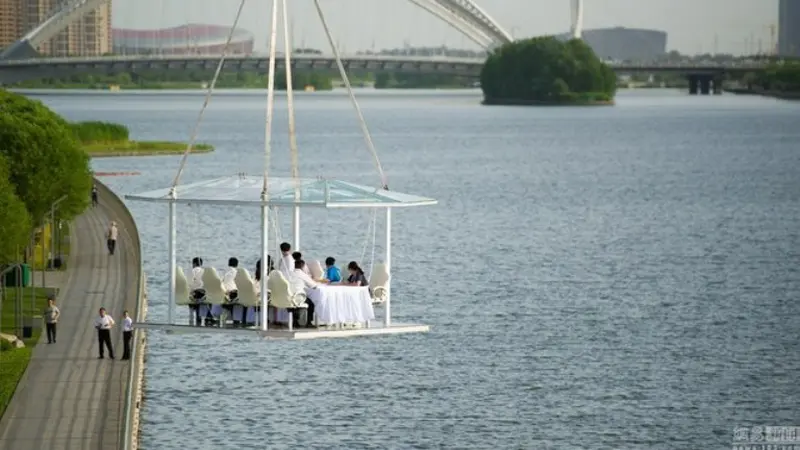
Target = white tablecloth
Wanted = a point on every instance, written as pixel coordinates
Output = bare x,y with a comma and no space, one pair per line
341,304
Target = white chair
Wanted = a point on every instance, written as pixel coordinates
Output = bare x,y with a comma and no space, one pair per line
316,269
215,293
379,283
248,294
182,297
282,297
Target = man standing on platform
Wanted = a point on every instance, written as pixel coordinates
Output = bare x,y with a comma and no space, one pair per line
111,237
51,315
104,323
127,336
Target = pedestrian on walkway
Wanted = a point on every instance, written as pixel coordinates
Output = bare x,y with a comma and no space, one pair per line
127,336
111,236
103,322
51,315
94,196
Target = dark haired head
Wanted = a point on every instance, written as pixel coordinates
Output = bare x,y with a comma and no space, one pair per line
285,247
299,264
197,261
233,262
329,261
354,267
297,255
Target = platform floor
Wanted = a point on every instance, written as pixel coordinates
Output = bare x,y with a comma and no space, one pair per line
68,399
375,328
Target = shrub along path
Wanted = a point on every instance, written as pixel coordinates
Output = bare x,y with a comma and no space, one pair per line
69,399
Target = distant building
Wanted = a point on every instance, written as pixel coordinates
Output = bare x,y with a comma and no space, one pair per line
624,43
192,39
88,36
789,28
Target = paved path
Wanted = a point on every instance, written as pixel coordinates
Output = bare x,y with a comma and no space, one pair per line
69,399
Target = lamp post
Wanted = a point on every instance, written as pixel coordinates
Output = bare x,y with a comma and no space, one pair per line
52,237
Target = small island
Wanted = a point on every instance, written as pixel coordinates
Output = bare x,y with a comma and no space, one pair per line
103,139
546,71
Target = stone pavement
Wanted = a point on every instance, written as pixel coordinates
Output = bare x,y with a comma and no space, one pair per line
68,399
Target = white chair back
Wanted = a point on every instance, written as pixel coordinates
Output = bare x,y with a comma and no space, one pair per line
215,294
316,269
247,290
379,282
280,291
181,288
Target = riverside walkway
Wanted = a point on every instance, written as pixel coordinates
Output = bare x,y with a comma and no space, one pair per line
68,399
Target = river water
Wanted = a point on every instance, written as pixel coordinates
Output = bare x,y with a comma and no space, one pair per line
621,277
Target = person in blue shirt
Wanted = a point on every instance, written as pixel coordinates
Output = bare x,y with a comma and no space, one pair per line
332,273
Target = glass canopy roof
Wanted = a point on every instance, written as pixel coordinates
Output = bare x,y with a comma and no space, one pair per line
246,190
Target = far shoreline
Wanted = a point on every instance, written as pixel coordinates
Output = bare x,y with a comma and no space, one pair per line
549,103
142,148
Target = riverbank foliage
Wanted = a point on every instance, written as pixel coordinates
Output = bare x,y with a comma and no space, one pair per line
385,80
547,71
180,79
779,77
113,139
44,162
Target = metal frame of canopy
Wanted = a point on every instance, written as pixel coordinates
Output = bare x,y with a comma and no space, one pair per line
246,191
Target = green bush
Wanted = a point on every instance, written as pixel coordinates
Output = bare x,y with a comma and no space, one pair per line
548,71
88,132
5,345
15,222
43,157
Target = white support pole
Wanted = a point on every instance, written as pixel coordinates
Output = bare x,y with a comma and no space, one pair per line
387,306
173,259
296,229
264,264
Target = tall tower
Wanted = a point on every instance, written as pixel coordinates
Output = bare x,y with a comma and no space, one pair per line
789,28
11,21
577,19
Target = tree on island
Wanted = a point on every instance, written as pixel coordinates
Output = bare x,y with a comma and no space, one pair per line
42,163
547,71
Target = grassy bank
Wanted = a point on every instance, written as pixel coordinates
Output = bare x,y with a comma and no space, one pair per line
14,361
104,139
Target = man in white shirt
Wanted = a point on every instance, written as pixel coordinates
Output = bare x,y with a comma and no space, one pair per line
127,336
229,284
103,323
297,256
201,310
111,237
300,281
286,263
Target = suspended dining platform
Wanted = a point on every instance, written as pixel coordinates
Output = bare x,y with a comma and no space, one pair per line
246,191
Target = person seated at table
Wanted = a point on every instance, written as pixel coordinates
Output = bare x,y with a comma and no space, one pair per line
197,291
357,277
297,256
229,284
301,282
286,263
332,273
270,267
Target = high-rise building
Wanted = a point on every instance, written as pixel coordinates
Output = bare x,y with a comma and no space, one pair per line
789,28
87,36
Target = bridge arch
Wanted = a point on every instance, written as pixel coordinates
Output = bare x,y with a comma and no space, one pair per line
463,15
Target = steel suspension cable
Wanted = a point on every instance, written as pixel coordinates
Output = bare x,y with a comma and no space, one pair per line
273,38
346,80
208,97
287,49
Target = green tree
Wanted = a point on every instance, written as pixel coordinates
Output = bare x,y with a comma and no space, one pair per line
15,223
45,161
546,70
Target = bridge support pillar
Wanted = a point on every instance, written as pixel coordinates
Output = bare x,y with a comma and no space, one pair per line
705,85
718,85
694,84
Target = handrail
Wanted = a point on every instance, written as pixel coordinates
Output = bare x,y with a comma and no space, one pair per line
125,218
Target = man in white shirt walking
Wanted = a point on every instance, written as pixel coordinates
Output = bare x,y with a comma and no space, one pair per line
111,237
51,315
127,336
103,323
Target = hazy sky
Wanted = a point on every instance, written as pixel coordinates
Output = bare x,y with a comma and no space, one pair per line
693,25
